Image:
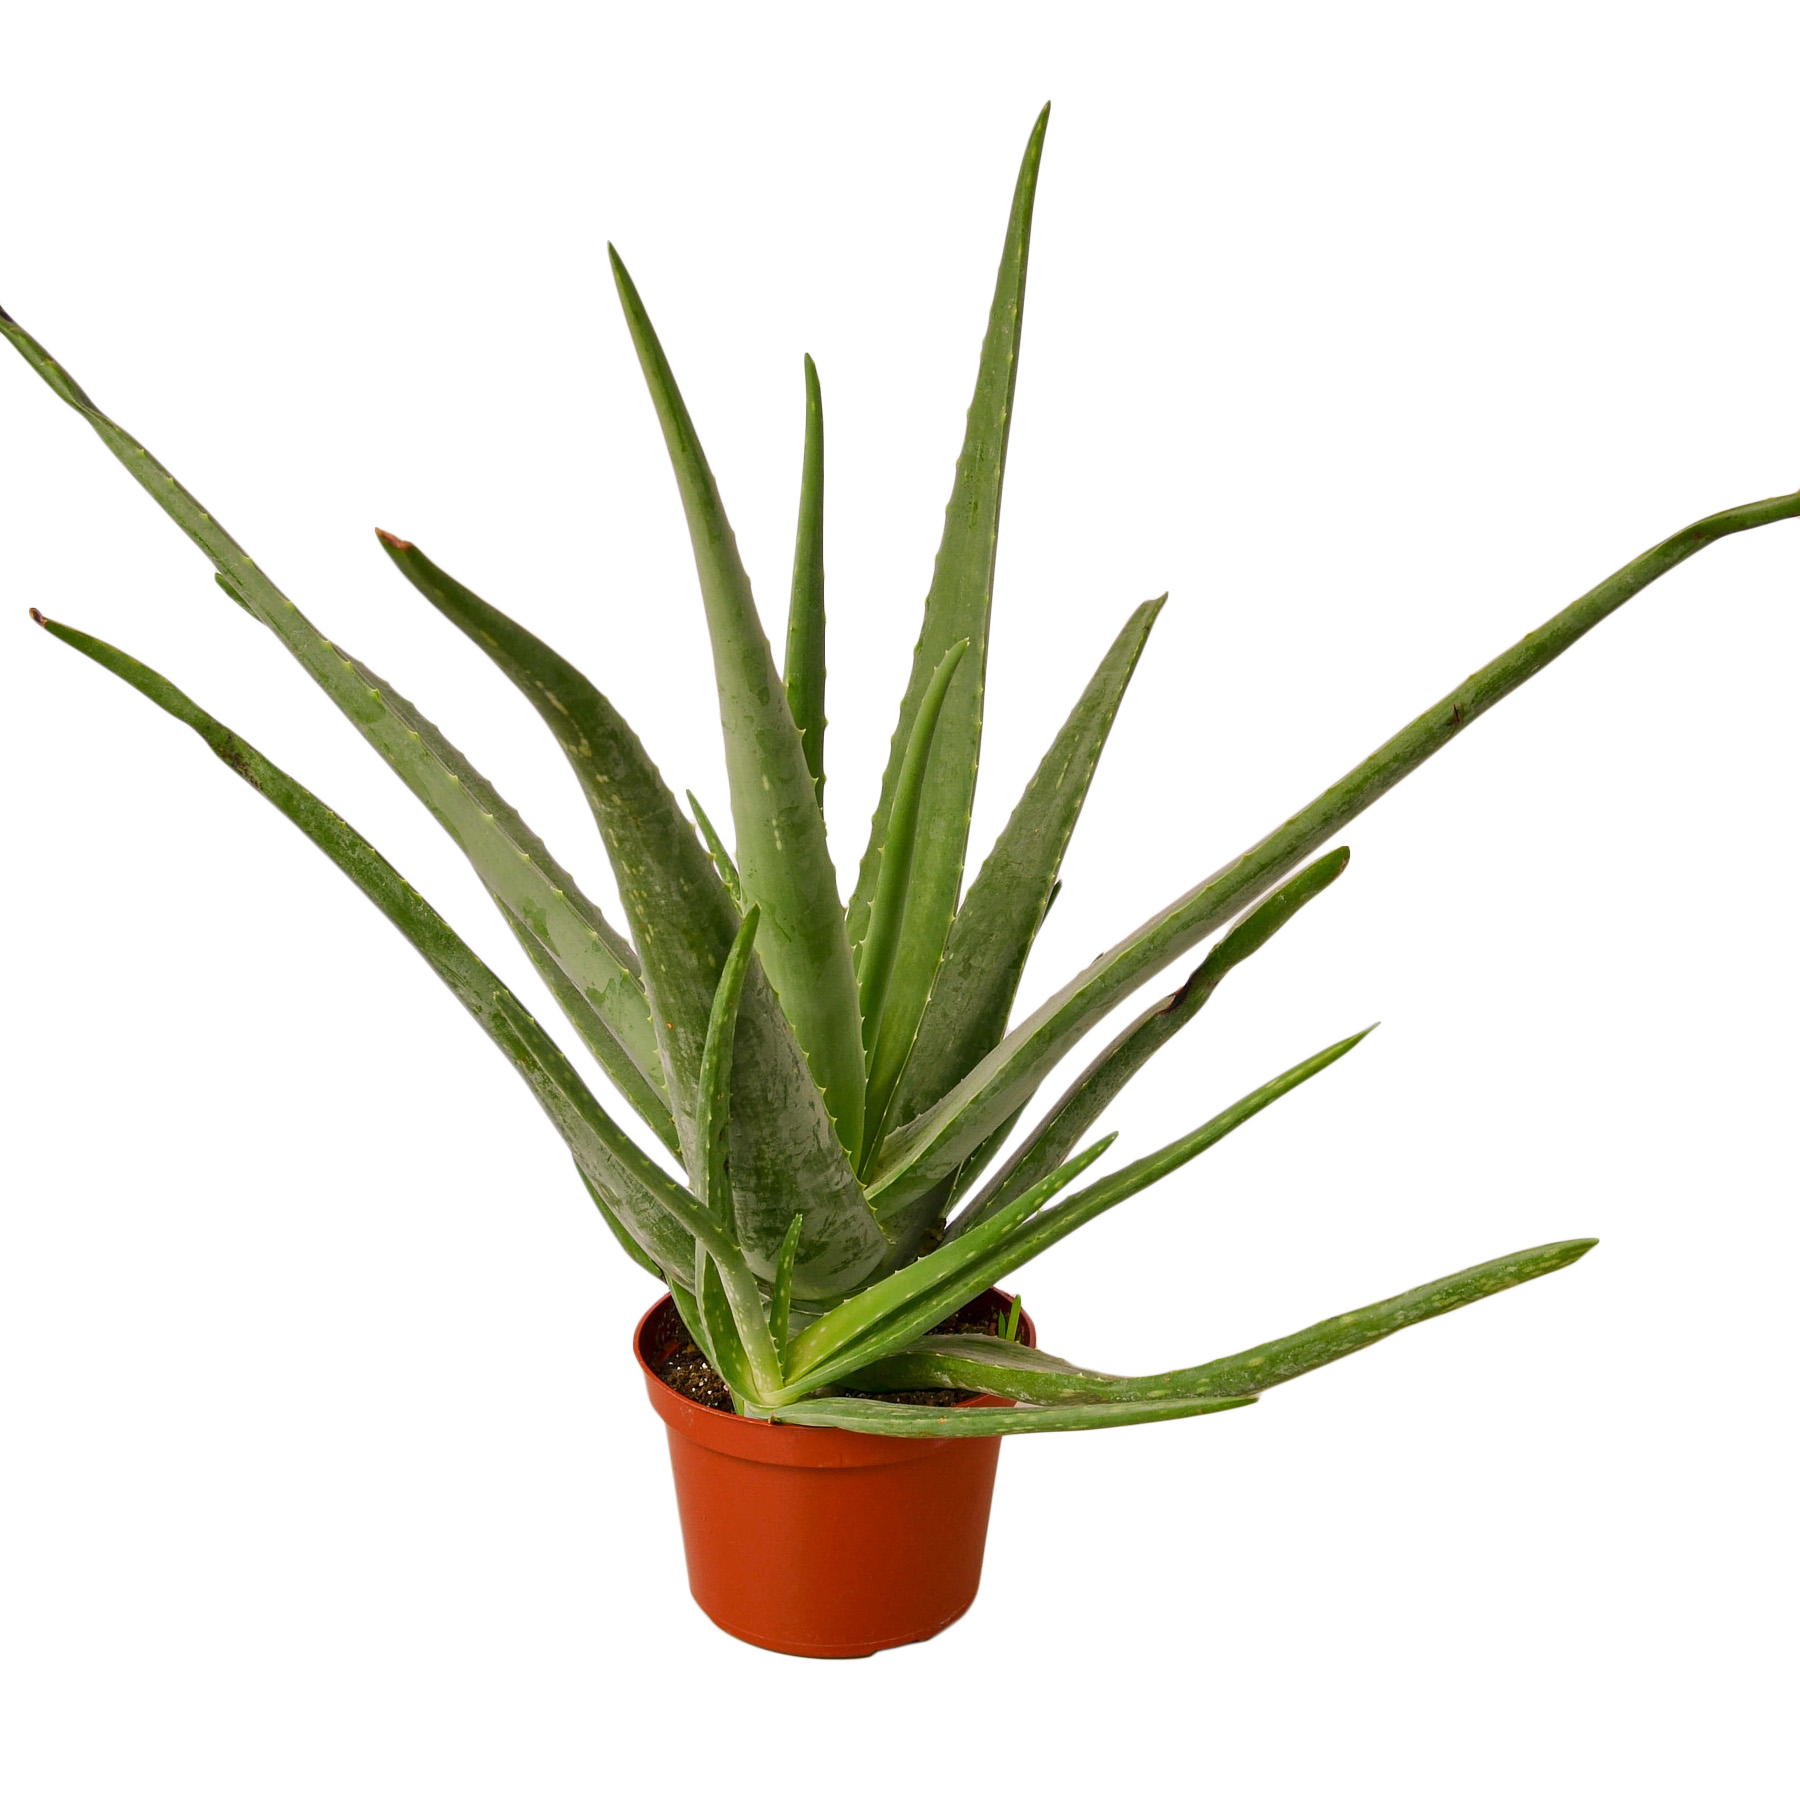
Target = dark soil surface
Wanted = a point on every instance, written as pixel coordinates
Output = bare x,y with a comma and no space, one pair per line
685,1368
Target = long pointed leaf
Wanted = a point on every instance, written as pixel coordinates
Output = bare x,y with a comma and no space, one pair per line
714,1119
1000,916
891,945
644,1198
626,1241
866,1324
715,846
780,831
785,1155
1013,1248
589,1023
804,673
781,1297
957,606
986,1365
916,1157
524,883
724,1345
883,1418
1063,1127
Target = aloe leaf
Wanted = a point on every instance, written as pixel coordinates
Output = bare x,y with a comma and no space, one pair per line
714,1122
1282,1359
626,1241
785,1156
957,606
918,1155
590,1026
642,1195
891,942
884,1418
782,1296
688,1306
1014,1246
1101,1082
985,1365
1000,916
724,1345
881,1317
570,927
715,846
1018,1372
780,831
804,673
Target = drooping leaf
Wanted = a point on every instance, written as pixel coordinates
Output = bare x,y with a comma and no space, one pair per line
780,832
1095,1089
957,606
513,868
785,1156
918,1155
804,673
889,946
641,1196
886,1418
1000,916
1018,1372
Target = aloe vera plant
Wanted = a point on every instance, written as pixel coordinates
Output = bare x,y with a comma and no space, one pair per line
840,1081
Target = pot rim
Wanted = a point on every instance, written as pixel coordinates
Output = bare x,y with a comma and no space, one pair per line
775,1441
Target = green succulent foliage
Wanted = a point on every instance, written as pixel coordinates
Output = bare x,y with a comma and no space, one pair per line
835,1078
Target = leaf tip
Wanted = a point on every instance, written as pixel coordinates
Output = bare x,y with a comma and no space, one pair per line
37,618
393,543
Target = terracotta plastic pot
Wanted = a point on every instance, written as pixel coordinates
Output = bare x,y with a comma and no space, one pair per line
821,1542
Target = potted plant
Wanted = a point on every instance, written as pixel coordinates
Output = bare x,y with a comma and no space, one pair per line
842,1085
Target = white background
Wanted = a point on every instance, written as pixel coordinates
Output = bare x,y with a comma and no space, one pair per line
1374,334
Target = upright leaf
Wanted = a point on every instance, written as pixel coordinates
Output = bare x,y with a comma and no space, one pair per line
782,858
888,1035
805,670
715,846
999,918
785,1155
956,607
781,1298
724,1346
714,1118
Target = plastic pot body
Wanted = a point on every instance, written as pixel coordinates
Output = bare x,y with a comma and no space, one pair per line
820,1542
